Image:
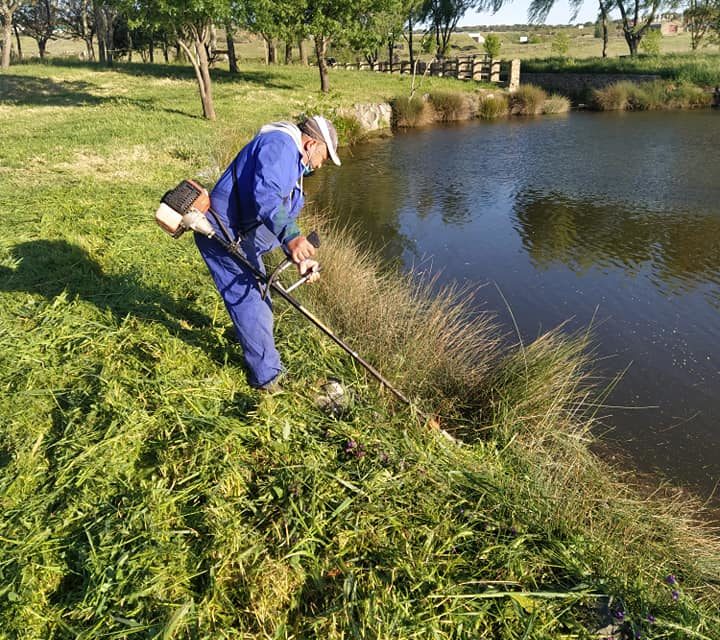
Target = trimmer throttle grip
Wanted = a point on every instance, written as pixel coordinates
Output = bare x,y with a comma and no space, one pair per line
314,239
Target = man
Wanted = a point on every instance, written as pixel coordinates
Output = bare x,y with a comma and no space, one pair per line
259,197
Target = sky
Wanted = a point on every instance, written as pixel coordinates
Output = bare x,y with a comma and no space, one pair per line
515,12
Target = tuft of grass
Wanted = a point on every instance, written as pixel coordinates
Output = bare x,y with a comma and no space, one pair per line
449,106
493,106
556,104
614,97
411,111
528,100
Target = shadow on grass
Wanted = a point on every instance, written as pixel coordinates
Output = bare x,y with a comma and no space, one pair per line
27,90
270,79
51,267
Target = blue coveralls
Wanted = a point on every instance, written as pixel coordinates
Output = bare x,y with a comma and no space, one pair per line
258,198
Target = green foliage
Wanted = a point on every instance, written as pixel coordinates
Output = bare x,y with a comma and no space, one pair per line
614,97
650,96
493,106
650,44
527,100
560,44
492,45
700,68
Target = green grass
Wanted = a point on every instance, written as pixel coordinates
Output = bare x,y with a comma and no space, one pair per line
697,68
147,492
644,96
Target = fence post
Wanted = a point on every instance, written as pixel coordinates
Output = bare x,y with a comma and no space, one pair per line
494,70
514,75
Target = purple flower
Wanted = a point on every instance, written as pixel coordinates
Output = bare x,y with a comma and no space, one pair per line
619,614
675,595
350,445
671,580
650,618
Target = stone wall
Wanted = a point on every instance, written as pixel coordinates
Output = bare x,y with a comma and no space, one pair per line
372,117
579,86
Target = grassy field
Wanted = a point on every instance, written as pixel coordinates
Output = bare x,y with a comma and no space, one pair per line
147,492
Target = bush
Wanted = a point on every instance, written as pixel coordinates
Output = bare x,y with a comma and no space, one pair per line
410,112
614,97
649,95
687,96
450,105
556,104
528,100
492,106
349,129
560,44
650,44
492,45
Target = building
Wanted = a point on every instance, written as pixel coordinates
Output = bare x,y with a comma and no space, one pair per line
477,37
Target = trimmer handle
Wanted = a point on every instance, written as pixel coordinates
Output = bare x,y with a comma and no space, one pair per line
314,239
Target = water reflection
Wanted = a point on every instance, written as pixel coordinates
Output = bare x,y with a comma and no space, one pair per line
681,249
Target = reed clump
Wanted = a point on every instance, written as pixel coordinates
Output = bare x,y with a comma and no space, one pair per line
528,100
450,106
492,106
411,111
556,103
659,94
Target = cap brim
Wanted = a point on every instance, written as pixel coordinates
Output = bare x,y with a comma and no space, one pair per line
322,125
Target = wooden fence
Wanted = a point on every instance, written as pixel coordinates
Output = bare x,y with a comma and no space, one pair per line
479,68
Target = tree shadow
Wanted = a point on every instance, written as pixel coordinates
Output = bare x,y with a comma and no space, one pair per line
51,267
25,90
270,79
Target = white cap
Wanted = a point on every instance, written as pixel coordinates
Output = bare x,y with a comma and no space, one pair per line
322,130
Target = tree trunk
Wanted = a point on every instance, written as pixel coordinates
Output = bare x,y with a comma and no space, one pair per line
410,41
288,52
7,38
42,47
90,48
303,52
19,46
100,31
202,73
321,43
603,13
130,47
166,52
87,32
390,55
232,56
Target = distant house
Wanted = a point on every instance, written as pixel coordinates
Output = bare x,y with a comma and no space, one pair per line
477,37
669,24
523,40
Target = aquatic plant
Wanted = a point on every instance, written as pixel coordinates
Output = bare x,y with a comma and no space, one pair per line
449,105
556,104
492,106
410,111
527,100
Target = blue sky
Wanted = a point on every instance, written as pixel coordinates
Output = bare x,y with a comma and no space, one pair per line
516,13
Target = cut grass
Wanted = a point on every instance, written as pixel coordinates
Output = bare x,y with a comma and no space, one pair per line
146,491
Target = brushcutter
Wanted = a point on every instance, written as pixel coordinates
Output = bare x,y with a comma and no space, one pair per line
187,207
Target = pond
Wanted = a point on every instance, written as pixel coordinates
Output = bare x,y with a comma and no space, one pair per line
603,220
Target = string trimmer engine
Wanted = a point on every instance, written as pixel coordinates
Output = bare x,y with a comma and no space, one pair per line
183,208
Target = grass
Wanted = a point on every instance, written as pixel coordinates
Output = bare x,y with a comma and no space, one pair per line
701,68
147,492
492,106
450,106
528,100
626,95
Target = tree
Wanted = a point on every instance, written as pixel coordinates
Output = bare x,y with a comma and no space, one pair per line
604,10
492,45
7,10
77,20
636,15
191,21
560,44
701,16
650,44
38,19
443,16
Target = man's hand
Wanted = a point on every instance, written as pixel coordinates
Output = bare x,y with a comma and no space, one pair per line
300,249
311,266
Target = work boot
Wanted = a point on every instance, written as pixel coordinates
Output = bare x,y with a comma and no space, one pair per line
271,388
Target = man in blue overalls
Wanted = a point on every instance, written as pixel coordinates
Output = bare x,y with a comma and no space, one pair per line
259,198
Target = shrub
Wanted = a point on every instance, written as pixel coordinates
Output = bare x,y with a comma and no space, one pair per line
492,106
410,112
349,129
614,97
650,44
650,95
492,45
560,44
556,104
687,96
450,105
527,100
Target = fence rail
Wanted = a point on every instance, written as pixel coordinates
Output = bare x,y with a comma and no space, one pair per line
478,68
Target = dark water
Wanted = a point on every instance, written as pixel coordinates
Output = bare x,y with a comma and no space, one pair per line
612,220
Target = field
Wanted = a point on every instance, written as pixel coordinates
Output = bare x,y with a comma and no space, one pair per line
147,492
